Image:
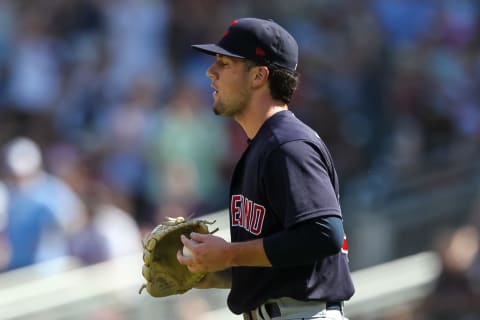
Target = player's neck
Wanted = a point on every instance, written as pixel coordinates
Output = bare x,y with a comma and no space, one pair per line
254,116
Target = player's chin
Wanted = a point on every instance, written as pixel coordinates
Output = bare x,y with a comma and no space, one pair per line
219,110
222,110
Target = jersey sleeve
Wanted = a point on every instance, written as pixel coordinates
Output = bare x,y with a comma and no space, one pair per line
287,248
298,183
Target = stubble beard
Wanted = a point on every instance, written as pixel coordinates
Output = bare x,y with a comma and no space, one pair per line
234,106
222,109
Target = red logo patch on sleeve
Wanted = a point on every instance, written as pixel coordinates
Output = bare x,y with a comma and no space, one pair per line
345,245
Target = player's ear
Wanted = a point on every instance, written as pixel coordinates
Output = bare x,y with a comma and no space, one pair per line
260,75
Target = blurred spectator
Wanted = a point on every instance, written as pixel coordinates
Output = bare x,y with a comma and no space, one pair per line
43,210
127,138
88,244
119,228
454,296
25,221
110,232
136,42
34,70
186,153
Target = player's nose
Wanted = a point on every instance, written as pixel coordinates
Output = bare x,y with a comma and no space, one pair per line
210,73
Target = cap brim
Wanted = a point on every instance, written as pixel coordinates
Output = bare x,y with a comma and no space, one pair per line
213,49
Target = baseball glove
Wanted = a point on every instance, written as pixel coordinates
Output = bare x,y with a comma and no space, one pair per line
164,274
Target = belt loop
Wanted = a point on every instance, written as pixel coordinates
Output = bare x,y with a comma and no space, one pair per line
250,315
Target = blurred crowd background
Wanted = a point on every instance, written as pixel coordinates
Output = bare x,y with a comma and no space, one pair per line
106,125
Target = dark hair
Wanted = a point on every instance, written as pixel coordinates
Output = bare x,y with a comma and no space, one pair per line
283,83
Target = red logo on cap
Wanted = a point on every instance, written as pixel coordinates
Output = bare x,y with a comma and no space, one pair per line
260,52
234,22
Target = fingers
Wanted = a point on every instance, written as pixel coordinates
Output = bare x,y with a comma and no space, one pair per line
201,246
183,259
194,240
190,245
198,237
189,262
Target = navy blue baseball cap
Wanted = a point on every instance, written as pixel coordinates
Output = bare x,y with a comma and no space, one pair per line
259,40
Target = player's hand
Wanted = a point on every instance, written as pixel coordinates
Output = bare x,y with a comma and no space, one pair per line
208,253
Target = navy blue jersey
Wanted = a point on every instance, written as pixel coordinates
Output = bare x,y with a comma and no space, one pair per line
285,177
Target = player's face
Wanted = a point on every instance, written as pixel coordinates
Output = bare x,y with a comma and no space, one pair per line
230,81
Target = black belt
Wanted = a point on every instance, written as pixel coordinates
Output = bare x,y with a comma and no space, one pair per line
273,310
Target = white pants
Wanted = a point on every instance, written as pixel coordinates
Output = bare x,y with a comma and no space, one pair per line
292,309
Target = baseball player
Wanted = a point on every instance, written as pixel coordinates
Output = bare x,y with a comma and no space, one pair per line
288,256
